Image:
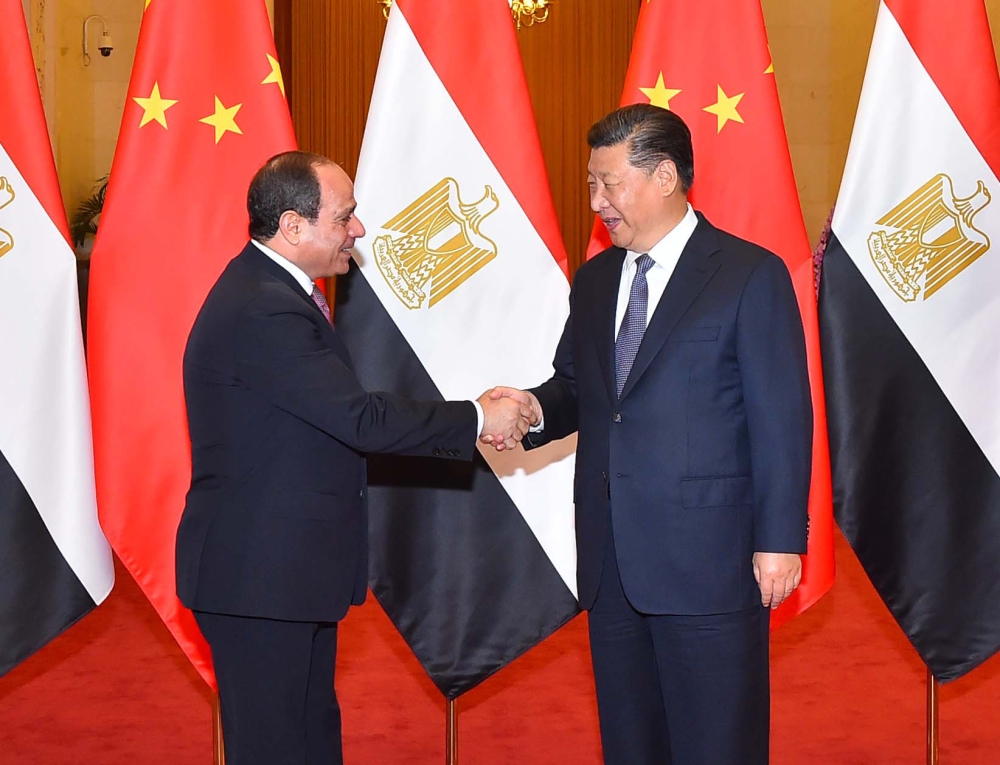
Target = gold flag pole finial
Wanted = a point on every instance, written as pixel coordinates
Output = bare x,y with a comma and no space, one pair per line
526,13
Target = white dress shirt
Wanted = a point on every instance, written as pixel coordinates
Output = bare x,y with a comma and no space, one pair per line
307,286
300,276
665,255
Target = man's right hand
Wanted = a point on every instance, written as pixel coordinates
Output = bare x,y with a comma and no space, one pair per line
506,420
525,399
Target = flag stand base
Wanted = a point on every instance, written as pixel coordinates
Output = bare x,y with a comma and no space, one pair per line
932,720
451,734
218,751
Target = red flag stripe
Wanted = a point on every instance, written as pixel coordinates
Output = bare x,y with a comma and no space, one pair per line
33,157
477,78
933,29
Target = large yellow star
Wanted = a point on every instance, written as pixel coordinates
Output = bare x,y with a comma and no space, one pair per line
224,120
275,75
155,107
659,95
725,108
770,64
147,4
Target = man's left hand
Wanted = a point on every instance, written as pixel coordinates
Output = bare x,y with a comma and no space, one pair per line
777,574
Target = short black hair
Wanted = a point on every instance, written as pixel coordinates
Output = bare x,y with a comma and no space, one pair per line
652,134
287,181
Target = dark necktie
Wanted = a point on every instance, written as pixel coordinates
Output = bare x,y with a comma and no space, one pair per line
633,324
320,299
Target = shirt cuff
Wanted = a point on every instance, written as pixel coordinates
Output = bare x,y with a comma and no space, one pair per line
539,427
480,418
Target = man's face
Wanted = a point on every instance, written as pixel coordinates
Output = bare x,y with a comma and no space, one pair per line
326,244
629,202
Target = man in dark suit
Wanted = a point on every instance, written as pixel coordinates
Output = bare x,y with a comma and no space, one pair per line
272,546
683,368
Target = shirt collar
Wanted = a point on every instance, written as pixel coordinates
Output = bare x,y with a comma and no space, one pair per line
667,251
297,273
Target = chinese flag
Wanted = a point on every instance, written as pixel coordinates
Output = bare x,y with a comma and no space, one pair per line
709,62
205,109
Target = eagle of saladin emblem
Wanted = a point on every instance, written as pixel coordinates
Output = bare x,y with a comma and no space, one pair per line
929,238
435,244
6,197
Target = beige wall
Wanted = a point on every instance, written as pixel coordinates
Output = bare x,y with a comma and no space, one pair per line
84,104
819,47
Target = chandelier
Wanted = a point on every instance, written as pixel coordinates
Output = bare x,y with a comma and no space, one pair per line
526,13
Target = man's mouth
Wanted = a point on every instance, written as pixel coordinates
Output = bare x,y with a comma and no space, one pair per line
611,223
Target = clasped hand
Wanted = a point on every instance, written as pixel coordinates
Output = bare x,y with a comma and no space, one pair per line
509,413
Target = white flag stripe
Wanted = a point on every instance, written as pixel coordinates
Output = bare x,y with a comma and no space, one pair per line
45,431
502,325
905,134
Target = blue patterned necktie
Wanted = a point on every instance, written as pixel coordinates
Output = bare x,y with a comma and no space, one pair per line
633,324
320,299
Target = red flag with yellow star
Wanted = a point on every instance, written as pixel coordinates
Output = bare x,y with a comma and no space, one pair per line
205,108
709,62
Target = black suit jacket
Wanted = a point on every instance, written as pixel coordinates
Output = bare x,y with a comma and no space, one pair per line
275,523
706,457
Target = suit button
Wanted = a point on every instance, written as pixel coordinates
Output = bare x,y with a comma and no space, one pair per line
436,452
616,417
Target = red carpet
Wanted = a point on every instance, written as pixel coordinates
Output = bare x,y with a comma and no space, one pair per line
847,690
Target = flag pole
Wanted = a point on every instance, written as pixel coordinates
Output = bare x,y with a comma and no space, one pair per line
218,751
451,734
932,719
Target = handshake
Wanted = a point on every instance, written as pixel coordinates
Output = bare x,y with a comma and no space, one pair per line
508,414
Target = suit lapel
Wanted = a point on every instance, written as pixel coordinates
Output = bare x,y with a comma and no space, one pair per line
693,271
260,260
604,309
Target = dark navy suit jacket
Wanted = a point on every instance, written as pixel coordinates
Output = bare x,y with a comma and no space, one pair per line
706,457
275,523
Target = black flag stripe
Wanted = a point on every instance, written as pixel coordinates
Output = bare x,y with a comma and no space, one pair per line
913,492
40,596
453,562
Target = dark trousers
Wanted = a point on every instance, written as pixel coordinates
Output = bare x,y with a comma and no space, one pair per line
678,690
275,689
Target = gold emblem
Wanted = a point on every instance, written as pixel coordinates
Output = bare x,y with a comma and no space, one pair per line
929,238
438,246
6,197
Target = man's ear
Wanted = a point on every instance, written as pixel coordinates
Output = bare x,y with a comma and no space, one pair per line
667,177
290,226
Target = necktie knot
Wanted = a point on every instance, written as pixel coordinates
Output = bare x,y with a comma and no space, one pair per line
320,300
642,264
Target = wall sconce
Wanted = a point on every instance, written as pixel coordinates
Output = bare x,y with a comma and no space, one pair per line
104,45
526,13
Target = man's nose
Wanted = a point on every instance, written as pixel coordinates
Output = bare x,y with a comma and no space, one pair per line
357,229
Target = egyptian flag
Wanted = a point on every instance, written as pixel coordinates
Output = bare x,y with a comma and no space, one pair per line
461,285
709,62
205,109
909,325
55,564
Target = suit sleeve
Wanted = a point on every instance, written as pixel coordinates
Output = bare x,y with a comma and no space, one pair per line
772,361
557,395
284,359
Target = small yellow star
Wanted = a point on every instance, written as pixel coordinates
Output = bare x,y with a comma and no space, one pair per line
147,4
223,120
770,65
275,75
725,108
155,107
659,95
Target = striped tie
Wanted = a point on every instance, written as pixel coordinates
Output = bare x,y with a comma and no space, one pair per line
633,324
320,299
